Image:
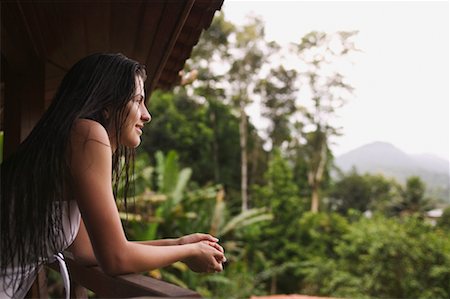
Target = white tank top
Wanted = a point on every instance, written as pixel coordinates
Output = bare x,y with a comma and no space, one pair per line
71,224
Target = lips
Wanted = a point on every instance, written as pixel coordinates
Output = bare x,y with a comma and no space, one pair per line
139,128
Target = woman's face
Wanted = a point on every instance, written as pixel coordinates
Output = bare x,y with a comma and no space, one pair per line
137,117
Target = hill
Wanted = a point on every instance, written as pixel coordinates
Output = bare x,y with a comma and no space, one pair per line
384,158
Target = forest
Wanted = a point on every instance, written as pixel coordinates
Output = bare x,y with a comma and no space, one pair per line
287,225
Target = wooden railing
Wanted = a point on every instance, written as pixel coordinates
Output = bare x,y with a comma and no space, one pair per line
106,286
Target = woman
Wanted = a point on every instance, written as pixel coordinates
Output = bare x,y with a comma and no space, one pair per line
70,165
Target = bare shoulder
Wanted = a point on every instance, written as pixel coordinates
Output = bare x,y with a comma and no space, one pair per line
89,149
86,130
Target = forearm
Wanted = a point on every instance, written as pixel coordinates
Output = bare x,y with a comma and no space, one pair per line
161,242
140,256
137,257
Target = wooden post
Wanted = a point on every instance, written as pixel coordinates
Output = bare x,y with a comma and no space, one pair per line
77,291
39,287
24,102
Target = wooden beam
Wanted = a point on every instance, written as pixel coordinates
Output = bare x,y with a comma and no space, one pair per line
130,285
24,102
163,53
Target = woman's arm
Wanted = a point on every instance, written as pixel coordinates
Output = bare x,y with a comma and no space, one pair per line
83,252
192,238
91,166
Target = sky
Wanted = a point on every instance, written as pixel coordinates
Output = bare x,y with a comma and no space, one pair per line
401,77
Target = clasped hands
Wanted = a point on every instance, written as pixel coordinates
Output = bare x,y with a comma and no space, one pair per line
207,256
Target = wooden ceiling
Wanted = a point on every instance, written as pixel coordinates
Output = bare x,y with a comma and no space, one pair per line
159,34
42,39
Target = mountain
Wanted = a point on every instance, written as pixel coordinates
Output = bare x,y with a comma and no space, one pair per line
384,158
432,163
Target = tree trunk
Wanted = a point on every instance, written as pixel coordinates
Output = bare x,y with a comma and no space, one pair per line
215,146
243,144
315,199
273,285
316,178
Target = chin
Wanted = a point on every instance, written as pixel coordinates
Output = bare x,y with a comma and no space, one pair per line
132,143
135,144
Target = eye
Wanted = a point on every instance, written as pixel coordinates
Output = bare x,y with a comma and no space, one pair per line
139,99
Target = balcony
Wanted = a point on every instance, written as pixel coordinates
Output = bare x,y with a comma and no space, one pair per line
84,278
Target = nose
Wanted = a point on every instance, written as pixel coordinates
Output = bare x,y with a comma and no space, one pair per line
145,116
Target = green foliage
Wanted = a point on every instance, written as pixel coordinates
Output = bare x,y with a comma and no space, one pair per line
156,202
166,208
319,233
444,221
352,191
171,180
244,219
413,197
377,194
381,258
293,251
363,193
184,125
278,100
395,259
280,195
279,188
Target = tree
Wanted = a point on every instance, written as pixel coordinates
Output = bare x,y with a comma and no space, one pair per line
227,60
280,196
245,65
350,192
278,94
413,199
387,258
444,221
210,51
183,124
326,88
363,192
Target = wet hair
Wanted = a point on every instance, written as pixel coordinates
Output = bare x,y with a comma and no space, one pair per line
37,175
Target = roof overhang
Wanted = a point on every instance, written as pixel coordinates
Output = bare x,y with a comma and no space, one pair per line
42,39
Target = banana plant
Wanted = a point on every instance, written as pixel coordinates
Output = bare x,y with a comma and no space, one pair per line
166,194
221,226
171,180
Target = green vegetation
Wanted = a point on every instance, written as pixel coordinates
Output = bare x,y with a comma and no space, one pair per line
286,225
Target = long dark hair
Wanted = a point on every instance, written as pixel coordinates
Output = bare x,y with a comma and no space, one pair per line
37,175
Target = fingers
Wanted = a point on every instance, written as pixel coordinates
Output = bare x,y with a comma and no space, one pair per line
198,237
218,257
215,264
208,258
218,267
207,237
216,246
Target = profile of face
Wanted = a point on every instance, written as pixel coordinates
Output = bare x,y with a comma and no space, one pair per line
137,116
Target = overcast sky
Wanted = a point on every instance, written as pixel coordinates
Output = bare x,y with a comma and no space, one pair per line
401,78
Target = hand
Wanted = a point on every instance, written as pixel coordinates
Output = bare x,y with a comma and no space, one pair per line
207,257
199,237
194,238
